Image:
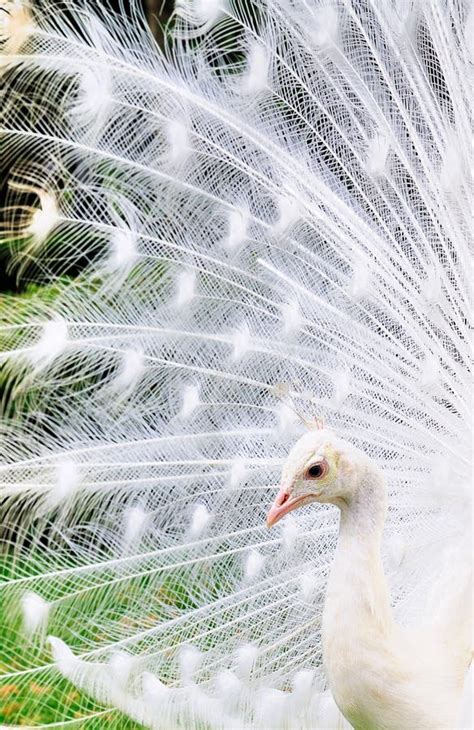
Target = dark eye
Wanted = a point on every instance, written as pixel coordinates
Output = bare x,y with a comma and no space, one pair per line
316,471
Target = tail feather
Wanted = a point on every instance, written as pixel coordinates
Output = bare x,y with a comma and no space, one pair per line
274,218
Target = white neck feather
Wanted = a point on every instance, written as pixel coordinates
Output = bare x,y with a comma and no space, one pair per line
357,596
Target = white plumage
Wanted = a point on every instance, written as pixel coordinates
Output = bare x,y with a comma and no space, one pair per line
381,674
274,219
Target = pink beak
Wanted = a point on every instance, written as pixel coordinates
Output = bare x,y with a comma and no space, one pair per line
281,506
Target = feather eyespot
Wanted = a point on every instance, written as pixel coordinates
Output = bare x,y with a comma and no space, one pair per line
317,470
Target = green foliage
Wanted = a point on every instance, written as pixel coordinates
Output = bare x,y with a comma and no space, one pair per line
17,311
42,696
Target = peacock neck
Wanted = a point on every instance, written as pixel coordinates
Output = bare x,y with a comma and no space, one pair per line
357,597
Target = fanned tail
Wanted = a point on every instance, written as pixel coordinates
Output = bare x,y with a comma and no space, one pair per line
271,219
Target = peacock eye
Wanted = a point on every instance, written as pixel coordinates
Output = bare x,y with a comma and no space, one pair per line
317,471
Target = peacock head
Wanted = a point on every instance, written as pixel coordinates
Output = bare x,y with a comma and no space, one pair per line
320,468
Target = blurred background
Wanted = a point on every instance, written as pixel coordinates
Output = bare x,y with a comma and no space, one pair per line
15,280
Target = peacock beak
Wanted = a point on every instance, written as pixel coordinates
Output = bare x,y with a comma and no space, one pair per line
283,504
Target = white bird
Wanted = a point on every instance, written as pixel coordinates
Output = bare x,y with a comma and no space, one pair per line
382,675
270,219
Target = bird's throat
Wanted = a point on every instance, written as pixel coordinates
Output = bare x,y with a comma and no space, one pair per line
357,617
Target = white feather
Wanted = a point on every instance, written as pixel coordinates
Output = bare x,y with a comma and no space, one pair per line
63,656
245,659
238,471
289,212
129,372
51,344
67,480
35,613
177,133
200,12
123,251
185,288
241,341
237,229
283,199
287,418
120,666
292,317
360,283
290,534
200,519
324,27
377,154
190,400
429,370
308,586
254,563
136,521
256,77
190,660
